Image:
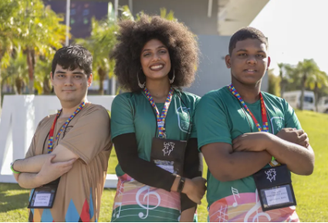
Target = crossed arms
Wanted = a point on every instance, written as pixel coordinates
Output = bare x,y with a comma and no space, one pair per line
42,169
250,152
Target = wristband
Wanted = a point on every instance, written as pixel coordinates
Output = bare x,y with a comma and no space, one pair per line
181,184
12,168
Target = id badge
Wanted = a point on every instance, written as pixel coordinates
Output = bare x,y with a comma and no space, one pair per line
169,154
44,197
275,188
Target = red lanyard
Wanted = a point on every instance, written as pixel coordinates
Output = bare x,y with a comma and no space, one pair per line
263,110
51,133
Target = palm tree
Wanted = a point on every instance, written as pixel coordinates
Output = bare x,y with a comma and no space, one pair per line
285,71
316,81
101,43
15,73
8,29
41,33
304,70
42,75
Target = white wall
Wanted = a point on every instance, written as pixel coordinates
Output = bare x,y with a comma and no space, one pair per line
19,119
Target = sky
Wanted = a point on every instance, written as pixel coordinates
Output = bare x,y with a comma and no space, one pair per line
296,30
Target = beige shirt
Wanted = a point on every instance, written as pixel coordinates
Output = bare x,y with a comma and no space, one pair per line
79,191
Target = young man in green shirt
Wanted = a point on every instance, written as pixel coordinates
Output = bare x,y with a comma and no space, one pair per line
241,130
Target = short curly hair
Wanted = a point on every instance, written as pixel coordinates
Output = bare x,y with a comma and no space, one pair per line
133,35
247,33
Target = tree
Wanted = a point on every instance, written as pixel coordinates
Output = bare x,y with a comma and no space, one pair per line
274,81
42,33
101,43
316,81
304,70
15,73
285,71
42,75
9,10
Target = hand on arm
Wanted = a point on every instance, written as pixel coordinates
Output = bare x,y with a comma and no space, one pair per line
49,172
295,136
299,160
227,165
34,164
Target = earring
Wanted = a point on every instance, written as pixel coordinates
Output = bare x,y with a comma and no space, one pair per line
140,84
173,77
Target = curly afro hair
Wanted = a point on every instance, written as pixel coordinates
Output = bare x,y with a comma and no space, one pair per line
133,35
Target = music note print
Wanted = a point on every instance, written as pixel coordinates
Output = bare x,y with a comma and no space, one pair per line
255,209
146,196
235,193
115,214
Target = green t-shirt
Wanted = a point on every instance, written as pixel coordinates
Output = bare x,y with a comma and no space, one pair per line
132,113
221,118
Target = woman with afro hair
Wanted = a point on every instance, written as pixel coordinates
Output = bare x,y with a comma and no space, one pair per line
160,168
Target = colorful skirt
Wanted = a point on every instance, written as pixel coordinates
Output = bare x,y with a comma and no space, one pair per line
246,207
135,201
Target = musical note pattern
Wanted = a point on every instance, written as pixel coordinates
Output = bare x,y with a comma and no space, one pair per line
235,193
221,214
135,201
246,207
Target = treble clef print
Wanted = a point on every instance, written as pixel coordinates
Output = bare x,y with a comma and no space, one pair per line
146,196
255,209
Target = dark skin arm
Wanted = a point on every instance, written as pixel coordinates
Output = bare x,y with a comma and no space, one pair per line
299,159
226,165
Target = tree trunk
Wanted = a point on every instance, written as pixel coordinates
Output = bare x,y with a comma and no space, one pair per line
302,91
46,86
0,94
102,75
30,63
1,55
283,83
19,85
316,89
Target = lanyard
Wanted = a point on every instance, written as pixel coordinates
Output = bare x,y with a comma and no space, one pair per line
51,133
160,117
263,110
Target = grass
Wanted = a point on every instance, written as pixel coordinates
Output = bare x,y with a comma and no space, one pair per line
311,191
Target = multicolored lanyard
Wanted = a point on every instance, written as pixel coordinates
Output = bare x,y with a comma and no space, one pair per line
51,133
263,110
264,117
160,117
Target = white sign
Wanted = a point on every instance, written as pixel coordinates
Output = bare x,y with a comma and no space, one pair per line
277,196
42,200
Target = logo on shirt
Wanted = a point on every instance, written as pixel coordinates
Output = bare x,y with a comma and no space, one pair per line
168,148
271,174
277,124
183,118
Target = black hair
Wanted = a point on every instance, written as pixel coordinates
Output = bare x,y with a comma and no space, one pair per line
73,56
247,33
133,35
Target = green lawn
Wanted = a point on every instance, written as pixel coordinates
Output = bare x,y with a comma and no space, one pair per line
311,192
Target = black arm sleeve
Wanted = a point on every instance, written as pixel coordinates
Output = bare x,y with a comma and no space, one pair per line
193,167
141,170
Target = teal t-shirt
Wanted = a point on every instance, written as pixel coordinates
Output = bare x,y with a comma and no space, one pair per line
221,118
132,113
